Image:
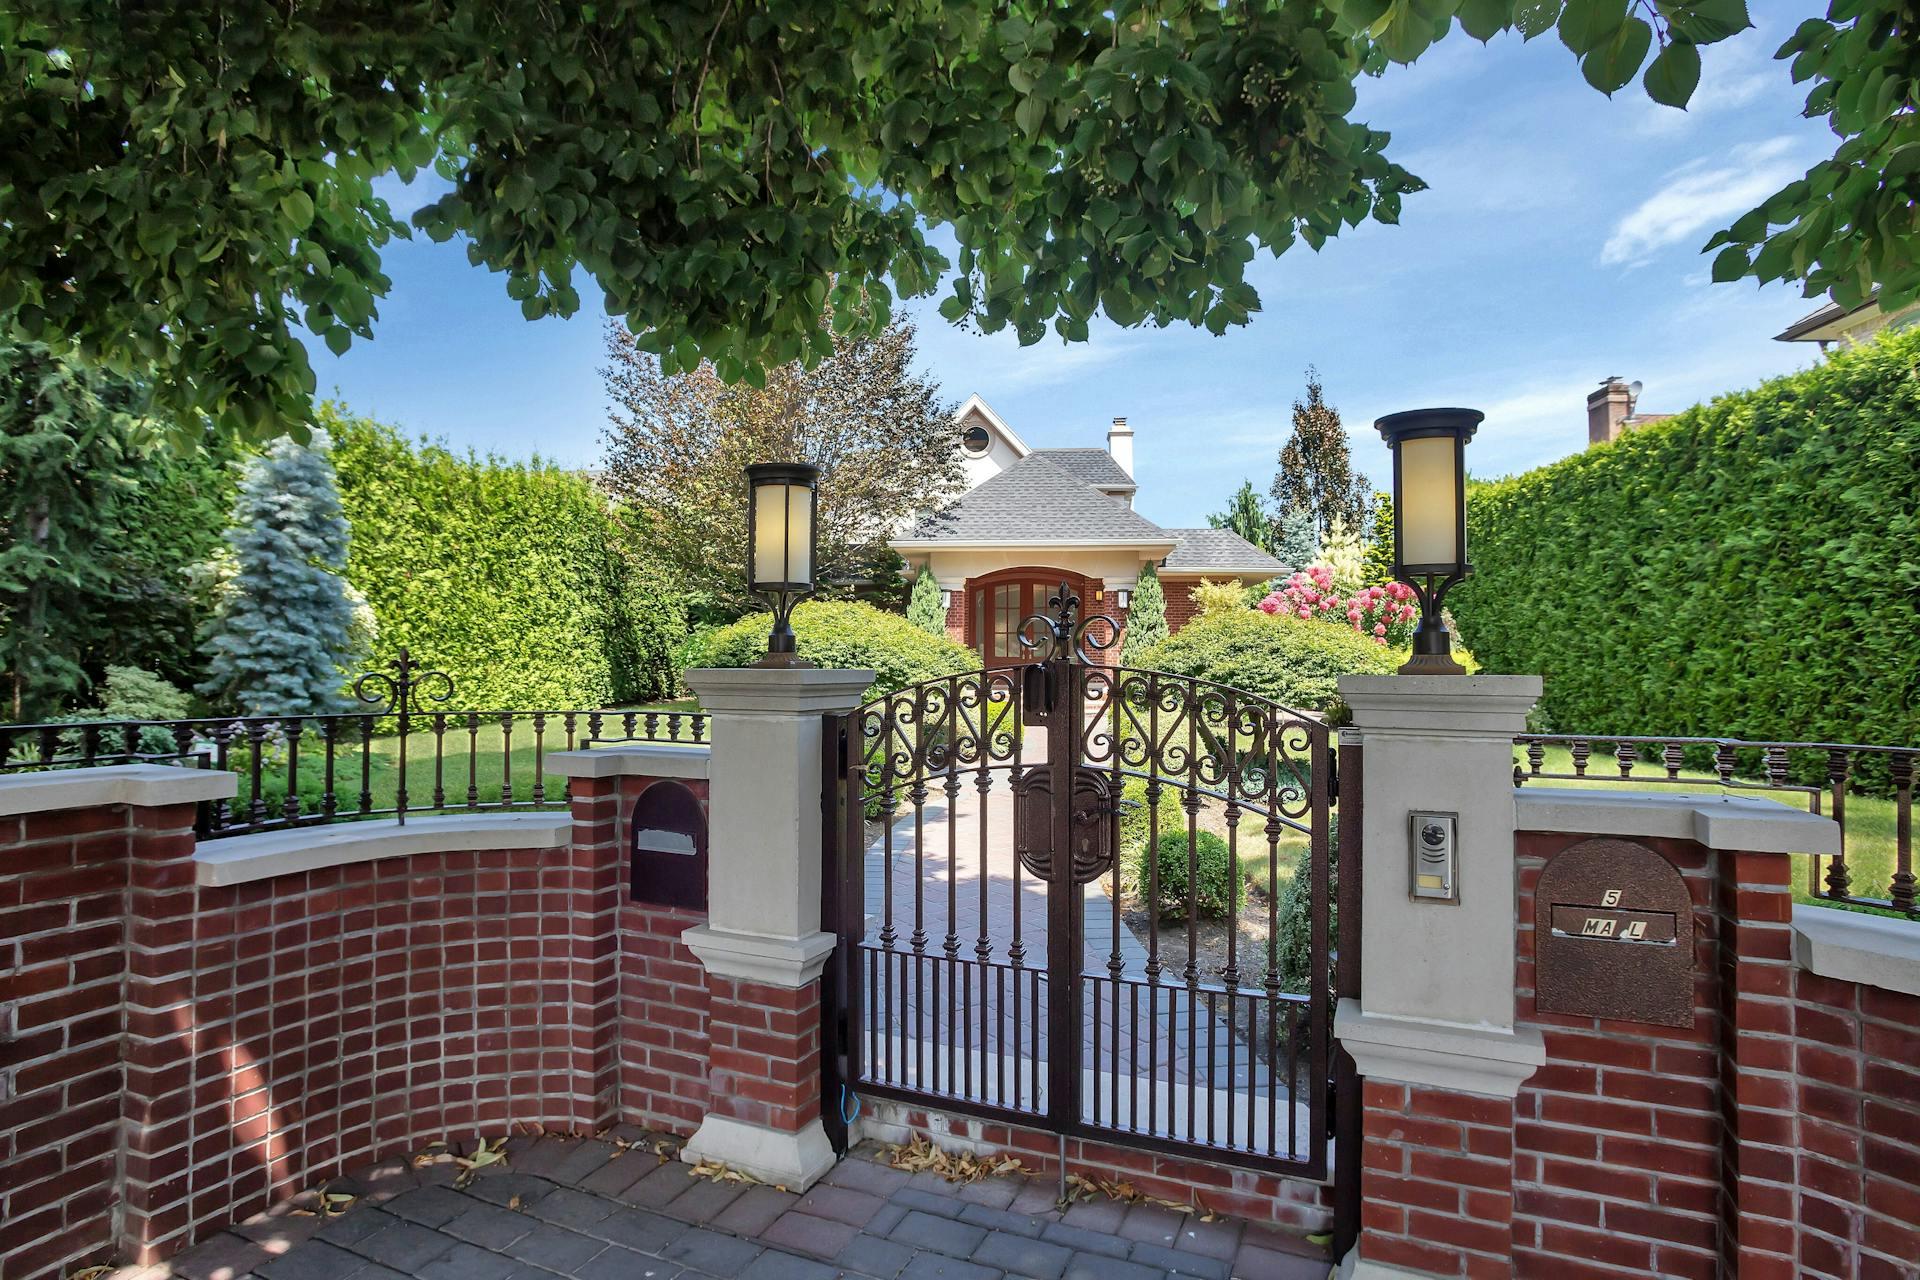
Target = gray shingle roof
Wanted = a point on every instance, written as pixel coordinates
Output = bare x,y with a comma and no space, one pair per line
1036,499
1221,550
1095,466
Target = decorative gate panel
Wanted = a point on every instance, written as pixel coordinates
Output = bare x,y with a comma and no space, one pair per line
1055,955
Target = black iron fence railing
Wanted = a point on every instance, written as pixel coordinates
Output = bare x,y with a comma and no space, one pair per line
1868,790
311,770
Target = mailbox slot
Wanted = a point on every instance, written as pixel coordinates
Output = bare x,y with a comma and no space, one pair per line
668,827
1613,935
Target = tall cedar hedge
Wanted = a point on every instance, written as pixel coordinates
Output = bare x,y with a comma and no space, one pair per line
1748,568
516,579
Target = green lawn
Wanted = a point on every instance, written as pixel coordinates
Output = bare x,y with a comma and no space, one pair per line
461,762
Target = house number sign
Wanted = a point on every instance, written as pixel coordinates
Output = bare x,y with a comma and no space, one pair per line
1613,935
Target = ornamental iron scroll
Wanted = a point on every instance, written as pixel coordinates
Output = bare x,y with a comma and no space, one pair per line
398,691
1090,824
1061,634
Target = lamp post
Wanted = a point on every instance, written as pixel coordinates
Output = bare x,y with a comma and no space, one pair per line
1430,521
782,498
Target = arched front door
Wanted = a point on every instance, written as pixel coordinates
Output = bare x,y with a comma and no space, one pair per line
997,604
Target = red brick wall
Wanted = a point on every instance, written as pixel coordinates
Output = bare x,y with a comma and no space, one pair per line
63,880
232,1045
1180,606
1243,1193
1779,1135
764,1066
1857,1053
1617,1138
1439,1180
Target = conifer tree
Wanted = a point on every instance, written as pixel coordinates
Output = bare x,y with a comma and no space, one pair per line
1316,469
923,607
1146,617
284,632
1299,542
1380,546
1247,516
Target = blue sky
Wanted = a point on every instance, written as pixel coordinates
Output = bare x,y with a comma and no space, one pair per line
1558,244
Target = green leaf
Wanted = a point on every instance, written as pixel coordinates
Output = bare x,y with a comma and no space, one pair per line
1673,74
1536,17
338,339
1706,21
1585,25
1485,19
1731,264
298,208
1030,114
1618,58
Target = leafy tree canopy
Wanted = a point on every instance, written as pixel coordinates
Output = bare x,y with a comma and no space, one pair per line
1247,516
187,185
1316,468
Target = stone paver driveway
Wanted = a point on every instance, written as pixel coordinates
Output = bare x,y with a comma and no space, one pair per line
586,1209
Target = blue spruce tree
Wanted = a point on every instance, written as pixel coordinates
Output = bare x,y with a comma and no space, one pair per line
1299,542
284,632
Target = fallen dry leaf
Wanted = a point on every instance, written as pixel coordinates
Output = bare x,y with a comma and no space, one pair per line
920,1155
718,1172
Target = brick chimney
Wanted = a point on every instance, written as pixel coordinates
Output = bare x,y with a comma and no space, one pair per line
1120,445
1608,409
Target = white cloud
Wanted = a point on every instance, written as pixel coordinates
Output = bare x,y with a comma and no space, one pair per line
1697,194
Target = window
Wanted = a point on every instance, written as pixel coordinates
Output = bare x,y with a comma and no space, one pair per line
976,440
1006,621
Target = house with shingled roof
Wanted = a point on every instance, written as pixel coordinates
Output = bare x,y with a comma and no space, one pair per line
1031,519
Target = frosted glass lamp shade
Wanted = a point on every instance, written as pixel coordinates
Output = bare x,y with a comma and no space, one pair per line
780,526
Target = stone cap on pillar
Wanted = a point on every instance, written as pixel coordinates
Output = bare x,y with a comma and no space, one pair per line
777,690
1430,706
633,760
145,786
1750,824
752,957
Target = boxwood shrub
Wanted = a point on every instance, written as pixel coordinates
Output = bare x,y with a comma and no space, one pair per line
845,636
1213,895
1293,661
1745,568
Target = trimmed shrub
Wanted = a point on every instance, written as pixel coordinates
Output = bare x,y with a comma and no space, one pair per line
517,579
923,605
1745,568
1294,930
1212,597
1146,617
1293,661
1213,897
845,636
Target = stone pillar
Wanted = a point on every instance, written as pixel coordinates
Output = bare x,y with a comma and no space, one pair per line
1433,1032
762,945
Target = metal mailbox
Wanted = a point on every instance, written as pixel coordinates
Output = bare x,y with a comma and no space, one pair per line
1613,935
669,843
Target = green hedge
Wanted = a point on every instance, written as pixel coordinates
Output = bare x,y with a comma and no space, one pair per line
1748,568
513,578
841,635
1296,662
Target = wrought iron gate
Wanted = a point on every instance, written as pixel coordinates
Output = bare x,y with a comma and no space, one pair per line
999,957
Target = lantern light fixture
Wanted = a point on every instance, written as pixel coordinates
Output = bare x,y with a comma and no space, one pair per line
782,502
1430,521
1123,597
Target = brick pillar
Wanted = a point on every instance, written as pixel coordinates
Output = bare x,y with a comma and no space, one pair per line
762,946
1439,1181
162,1048
764,1062
1433,1031
1759,1099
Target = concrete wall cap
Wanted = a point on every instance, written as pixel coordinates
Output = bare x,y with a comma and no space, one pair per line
778,690
1751,824
1851,946
142,785
633,760
1443,705
1440,1055
794,1161
243,859
790,963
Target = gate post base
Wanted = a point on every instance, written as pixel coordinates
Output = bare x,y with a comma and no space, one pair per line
792,1160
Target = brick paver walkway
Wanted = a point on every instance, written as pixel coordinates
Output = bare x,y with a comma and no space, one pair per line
584,1209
